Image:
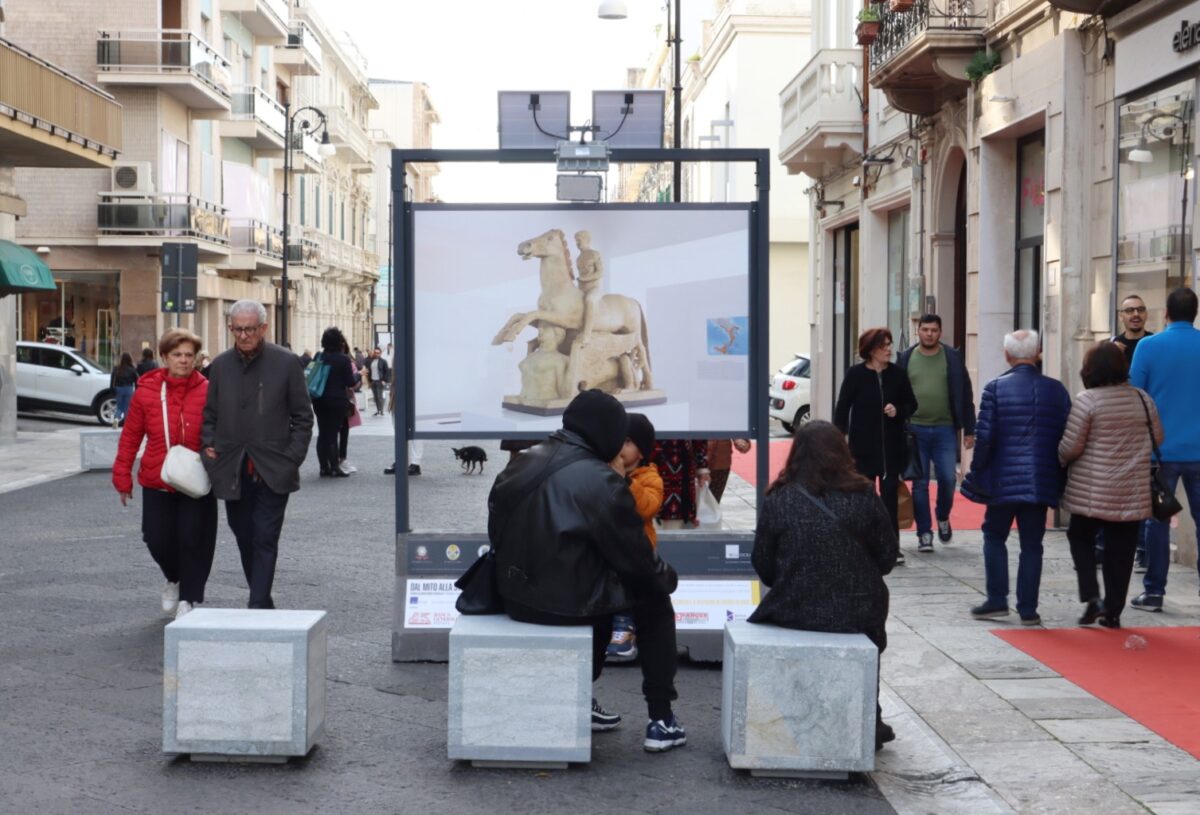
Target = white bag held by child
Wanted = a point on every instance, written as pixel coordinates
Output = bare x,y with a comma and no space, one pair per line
182,468
708,511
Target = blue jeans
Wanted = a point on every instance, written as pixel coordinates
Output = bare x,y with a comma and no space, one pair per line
937,445
1158,545
124,397
1031,528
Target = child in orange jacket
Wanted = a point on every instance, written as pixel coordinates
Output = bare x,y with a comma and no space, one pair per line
647,487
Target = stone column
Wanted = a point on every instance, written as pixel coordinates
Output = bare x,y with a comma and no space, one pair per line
8,326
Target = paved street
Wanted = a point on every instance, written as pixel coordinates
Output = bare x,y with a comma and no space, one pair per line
981,726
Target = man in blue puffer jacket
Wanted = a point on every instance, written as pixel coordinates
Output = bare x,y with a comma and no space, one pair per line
1015,472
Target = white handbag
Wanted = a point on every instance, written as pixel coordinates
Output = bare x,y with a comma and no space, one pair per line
182,468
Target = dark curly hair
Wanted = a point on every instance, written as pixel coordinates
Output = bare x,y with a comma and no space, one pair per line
333,340
820,461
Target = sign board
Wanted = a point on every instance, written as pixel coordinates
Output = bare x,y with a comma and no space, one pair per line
179,270
1158,50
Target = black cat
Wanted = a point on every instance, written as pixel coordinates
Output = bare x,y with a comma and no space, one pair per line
470,456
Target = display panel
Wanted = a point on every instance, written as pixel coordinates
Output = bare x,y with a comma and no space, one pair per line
515,309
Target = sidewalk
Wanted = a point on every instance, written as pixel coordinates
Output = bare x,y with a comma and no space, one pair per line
982,727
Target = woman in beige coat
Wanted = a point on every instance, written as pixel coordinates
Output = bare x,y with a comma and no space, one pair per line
1107,447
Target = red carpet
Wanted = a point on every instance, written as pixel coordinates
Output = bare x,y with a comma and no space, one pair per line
1153,685
964,514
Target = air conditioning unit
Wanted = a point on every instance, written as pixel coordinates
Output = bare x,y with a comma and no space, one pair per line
132,176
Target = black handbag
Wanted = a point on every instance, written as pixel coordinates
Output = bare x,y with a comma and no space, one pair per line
912,463
1163,503
478,594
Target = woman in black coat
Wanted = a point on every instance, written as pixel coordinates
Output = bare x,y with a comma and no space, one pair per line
873,406
823,544
333,405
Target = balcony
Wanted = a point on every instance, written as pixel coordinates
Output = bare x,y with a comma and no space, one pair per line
304,250
177,62
302,54
48,118
256,119
267,20
920,56
822,119
149,219
349,137
255,245
342,260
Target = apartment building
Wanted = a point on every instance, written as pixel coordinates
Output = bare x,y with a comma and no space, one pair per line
203,85
48,119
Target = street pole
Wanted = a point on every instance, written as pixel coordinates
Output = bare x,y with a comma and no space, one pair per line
287,179
677,92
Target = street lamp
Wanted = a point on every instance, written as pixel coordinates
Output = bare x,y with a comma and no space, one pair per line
305,126
617,10
1155,128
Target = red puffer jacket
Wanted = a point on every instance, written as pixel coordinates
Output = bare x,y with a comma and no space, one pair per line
185,406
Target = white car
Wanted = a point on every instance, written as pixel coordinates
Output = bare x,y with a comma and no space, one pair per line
56,377
790,391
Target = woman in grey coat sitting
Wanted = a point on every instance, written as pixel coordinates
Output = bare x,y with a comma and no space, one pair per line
823,544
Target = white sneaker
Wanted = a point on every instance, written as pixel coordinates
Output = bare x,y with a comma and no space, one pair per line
184,608
170,597
347,467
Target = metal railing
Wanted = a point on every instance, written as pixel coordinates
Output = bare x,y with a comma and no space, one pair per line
162,51
344,130
301,37
51,97
306,144
279,8
898,28
252,235
162,215
304,250
252,102
1153,245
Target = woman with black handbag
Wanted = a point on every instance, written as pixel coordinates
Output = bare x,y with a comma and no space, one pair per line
1111,432
873,407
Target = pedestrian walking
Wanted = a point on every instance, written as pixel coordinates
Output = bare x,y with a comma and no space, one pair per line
1167,366
378,372
1107,445
124,380
571,550
720,462
147,362
873,405
167,410
683,465
332,407
257,426
823,544
1015,472
945,408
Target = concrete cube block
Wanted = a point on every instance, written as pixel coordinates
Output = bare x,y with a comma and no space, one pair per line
520,694
244,683
98,448
798,703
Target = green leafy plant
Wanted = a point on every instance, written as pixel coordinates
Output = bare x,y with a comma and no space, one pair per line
869,14
982,63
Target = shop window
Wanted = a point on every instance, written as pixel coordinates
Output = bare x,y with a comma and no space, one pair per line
1031,226
897,275
1155,197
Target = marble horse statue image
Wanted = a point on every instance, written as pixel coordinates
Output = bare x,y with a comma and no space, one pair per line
585,339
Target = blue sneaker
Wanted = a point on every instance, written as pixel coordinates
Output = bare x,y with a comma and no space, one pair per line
623,646
602,720
663,735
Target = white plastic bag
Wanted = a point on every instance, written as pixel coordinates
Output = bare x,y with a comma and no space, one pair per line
708,511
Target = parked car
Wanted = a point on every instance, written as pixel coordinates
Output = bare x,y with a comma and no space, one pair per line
56,377
790,391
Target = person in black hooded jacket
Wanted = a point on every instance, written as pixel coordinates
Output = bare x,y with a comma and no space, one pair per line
571,550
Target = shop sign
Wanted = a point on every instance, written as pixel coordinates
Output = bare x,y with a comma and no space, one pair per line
1187,37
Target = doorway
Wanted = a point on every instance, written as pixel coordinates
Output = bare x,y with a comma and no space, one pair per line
1031,214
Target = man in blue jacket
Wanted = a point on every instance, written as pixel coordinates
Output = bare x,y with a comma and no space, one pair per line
1015,472
1167,366
945,407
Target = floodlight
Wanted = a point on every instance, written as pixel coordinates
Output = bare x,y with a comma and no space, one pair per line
612,10
629,118
580,187
533,119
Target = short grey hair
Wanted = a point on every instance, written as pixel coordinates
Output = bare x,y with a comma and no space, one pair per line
1023,344
248,306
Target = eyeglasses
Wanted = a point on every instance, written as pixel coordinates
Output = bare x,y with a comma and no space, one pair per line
244,329
1133,310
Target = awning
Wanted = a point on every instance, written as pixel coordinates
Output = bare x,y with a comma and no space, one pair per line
22,270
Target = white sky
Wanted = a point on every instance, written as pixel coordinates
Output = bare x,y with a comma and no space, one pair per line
467,50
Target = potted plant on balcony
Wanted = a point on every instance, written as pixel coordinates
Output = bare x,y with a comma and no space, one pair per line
868,25
900,5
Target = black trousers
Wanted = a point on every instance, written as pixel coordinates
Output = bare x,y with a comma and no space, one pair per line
377,391
343,439
1120,544
889,490
655,623
330,415
181,533
256,520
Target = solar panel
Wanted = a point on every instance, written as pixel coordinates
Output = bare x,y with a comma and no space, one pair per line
534,119
629,118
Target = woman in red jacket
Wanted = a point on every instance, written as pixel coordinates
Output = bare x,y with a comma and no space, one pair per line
181,532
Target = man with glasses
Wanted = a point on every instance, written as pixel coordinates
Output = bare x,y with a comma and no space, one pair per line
1133,318
257,426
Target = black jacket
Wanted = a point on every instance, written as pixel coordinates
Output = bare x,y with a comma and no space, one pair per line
876,440
962,397
825,574
341,376
570,544
259,409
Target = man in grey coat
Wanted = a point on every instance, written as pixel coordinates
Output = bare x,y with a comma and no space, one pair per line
257,426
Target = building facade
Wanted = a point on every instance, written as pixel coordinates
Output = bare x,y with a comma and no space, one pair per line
203,85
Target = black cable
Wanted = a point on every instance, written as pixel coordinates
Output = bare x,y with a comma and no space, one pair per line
534,108
624,116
